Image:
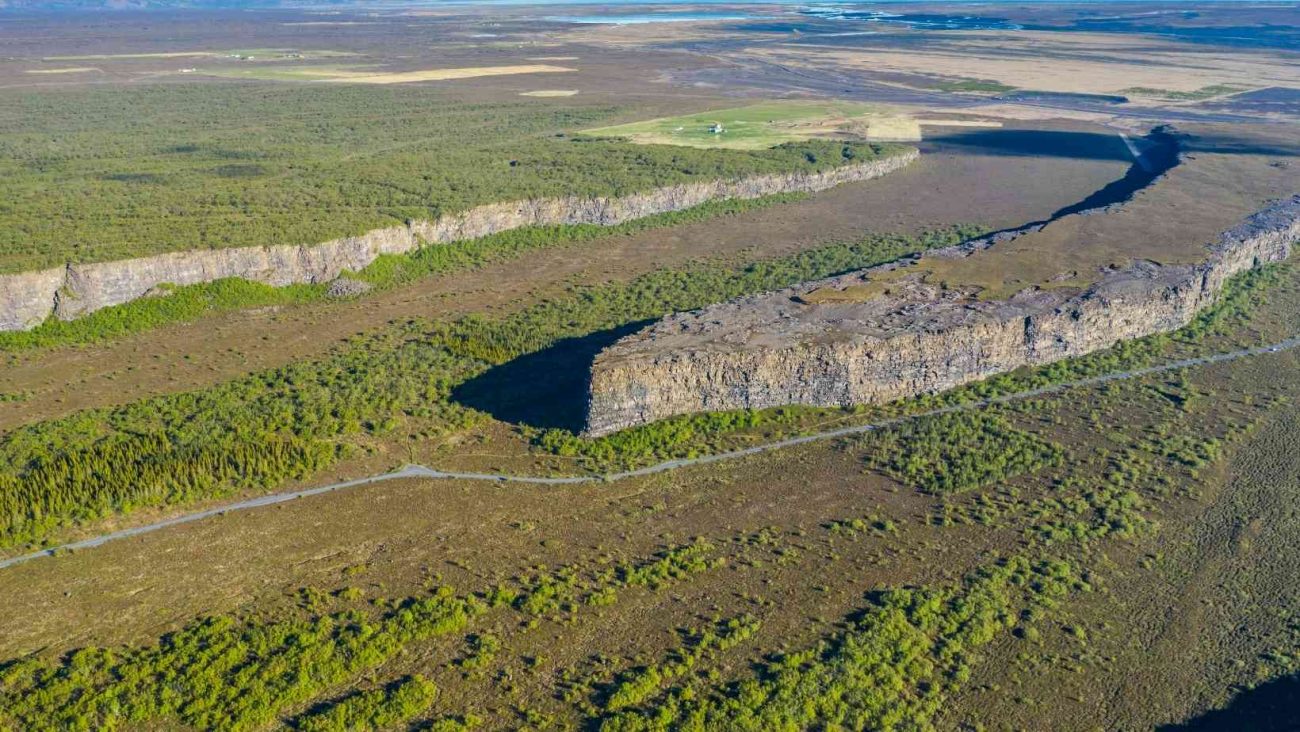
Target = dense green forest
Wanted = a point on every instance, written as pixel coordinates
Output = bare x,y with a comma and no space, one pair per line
97,174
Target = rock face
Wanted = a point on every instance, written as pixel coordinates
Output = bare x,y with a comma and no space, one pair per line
774,349
27,299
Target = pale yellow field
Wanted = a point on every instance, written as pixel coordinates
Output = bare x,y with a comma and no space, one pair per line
404,77
72,70
549,93
106,57
1064,62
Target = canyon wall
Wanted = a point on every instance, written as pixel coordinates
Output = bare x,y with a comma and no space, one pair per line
68,292
773,349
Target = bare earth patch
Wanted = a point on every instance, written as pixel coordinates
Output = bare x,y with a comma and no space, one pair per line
72,70
404,77
549,93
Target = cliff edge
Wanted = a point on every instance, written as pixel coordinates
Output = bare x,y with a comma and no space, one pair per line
800,346
27,299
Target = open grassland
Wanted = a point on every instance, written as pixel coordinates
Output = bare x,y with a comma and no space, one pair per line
1195,95
548,93
818,586
1081,63
69,70
370,74
110,56
93,174
405,77
763,125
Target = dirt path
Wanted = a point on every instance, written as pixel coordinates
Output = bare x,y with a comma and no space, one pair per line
941,189
419,471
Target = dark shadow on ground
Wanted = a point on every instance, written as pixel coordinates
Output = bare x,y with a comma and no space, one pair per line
1089,145
1160,155
543,389
1243,145
1272,707
1076,144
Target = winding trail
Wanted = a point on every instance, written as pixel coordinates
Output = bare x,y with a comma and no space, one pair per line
419,471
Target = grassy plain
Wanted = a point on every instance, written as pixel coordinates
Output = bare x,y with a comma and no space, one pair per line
763,125
68,70
1195,95
265,54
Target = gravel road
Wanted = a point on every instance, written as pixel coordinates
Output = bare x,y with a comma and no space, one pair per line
420,471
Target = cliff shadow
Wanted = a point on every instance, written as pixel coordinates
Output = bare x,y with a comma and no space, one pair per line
1160,156
1079,144
1270,707
546,388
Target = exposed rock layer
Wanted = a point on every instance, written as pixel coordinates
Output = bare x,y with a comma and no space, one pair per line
920,341
27,299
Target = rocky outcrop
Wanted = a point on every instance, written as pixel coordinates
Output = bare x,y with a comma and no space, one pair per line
776,349
27,299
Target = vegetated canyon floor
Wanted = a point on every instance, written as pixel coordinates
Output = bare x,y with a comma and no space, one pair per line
1172,496
806,534
966,181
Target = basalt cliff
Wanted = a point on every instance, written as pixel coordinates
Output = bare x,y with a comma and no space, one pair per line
70,291
785,347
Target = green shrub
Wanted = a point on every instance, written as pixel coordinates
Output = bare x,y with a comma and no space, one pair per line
373,710
890,671
221,673
956,452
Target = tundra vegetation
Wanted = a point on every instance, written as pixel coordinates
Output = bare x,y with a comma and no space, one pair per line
191,302
1057,493
259,431
158,168
1119,555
